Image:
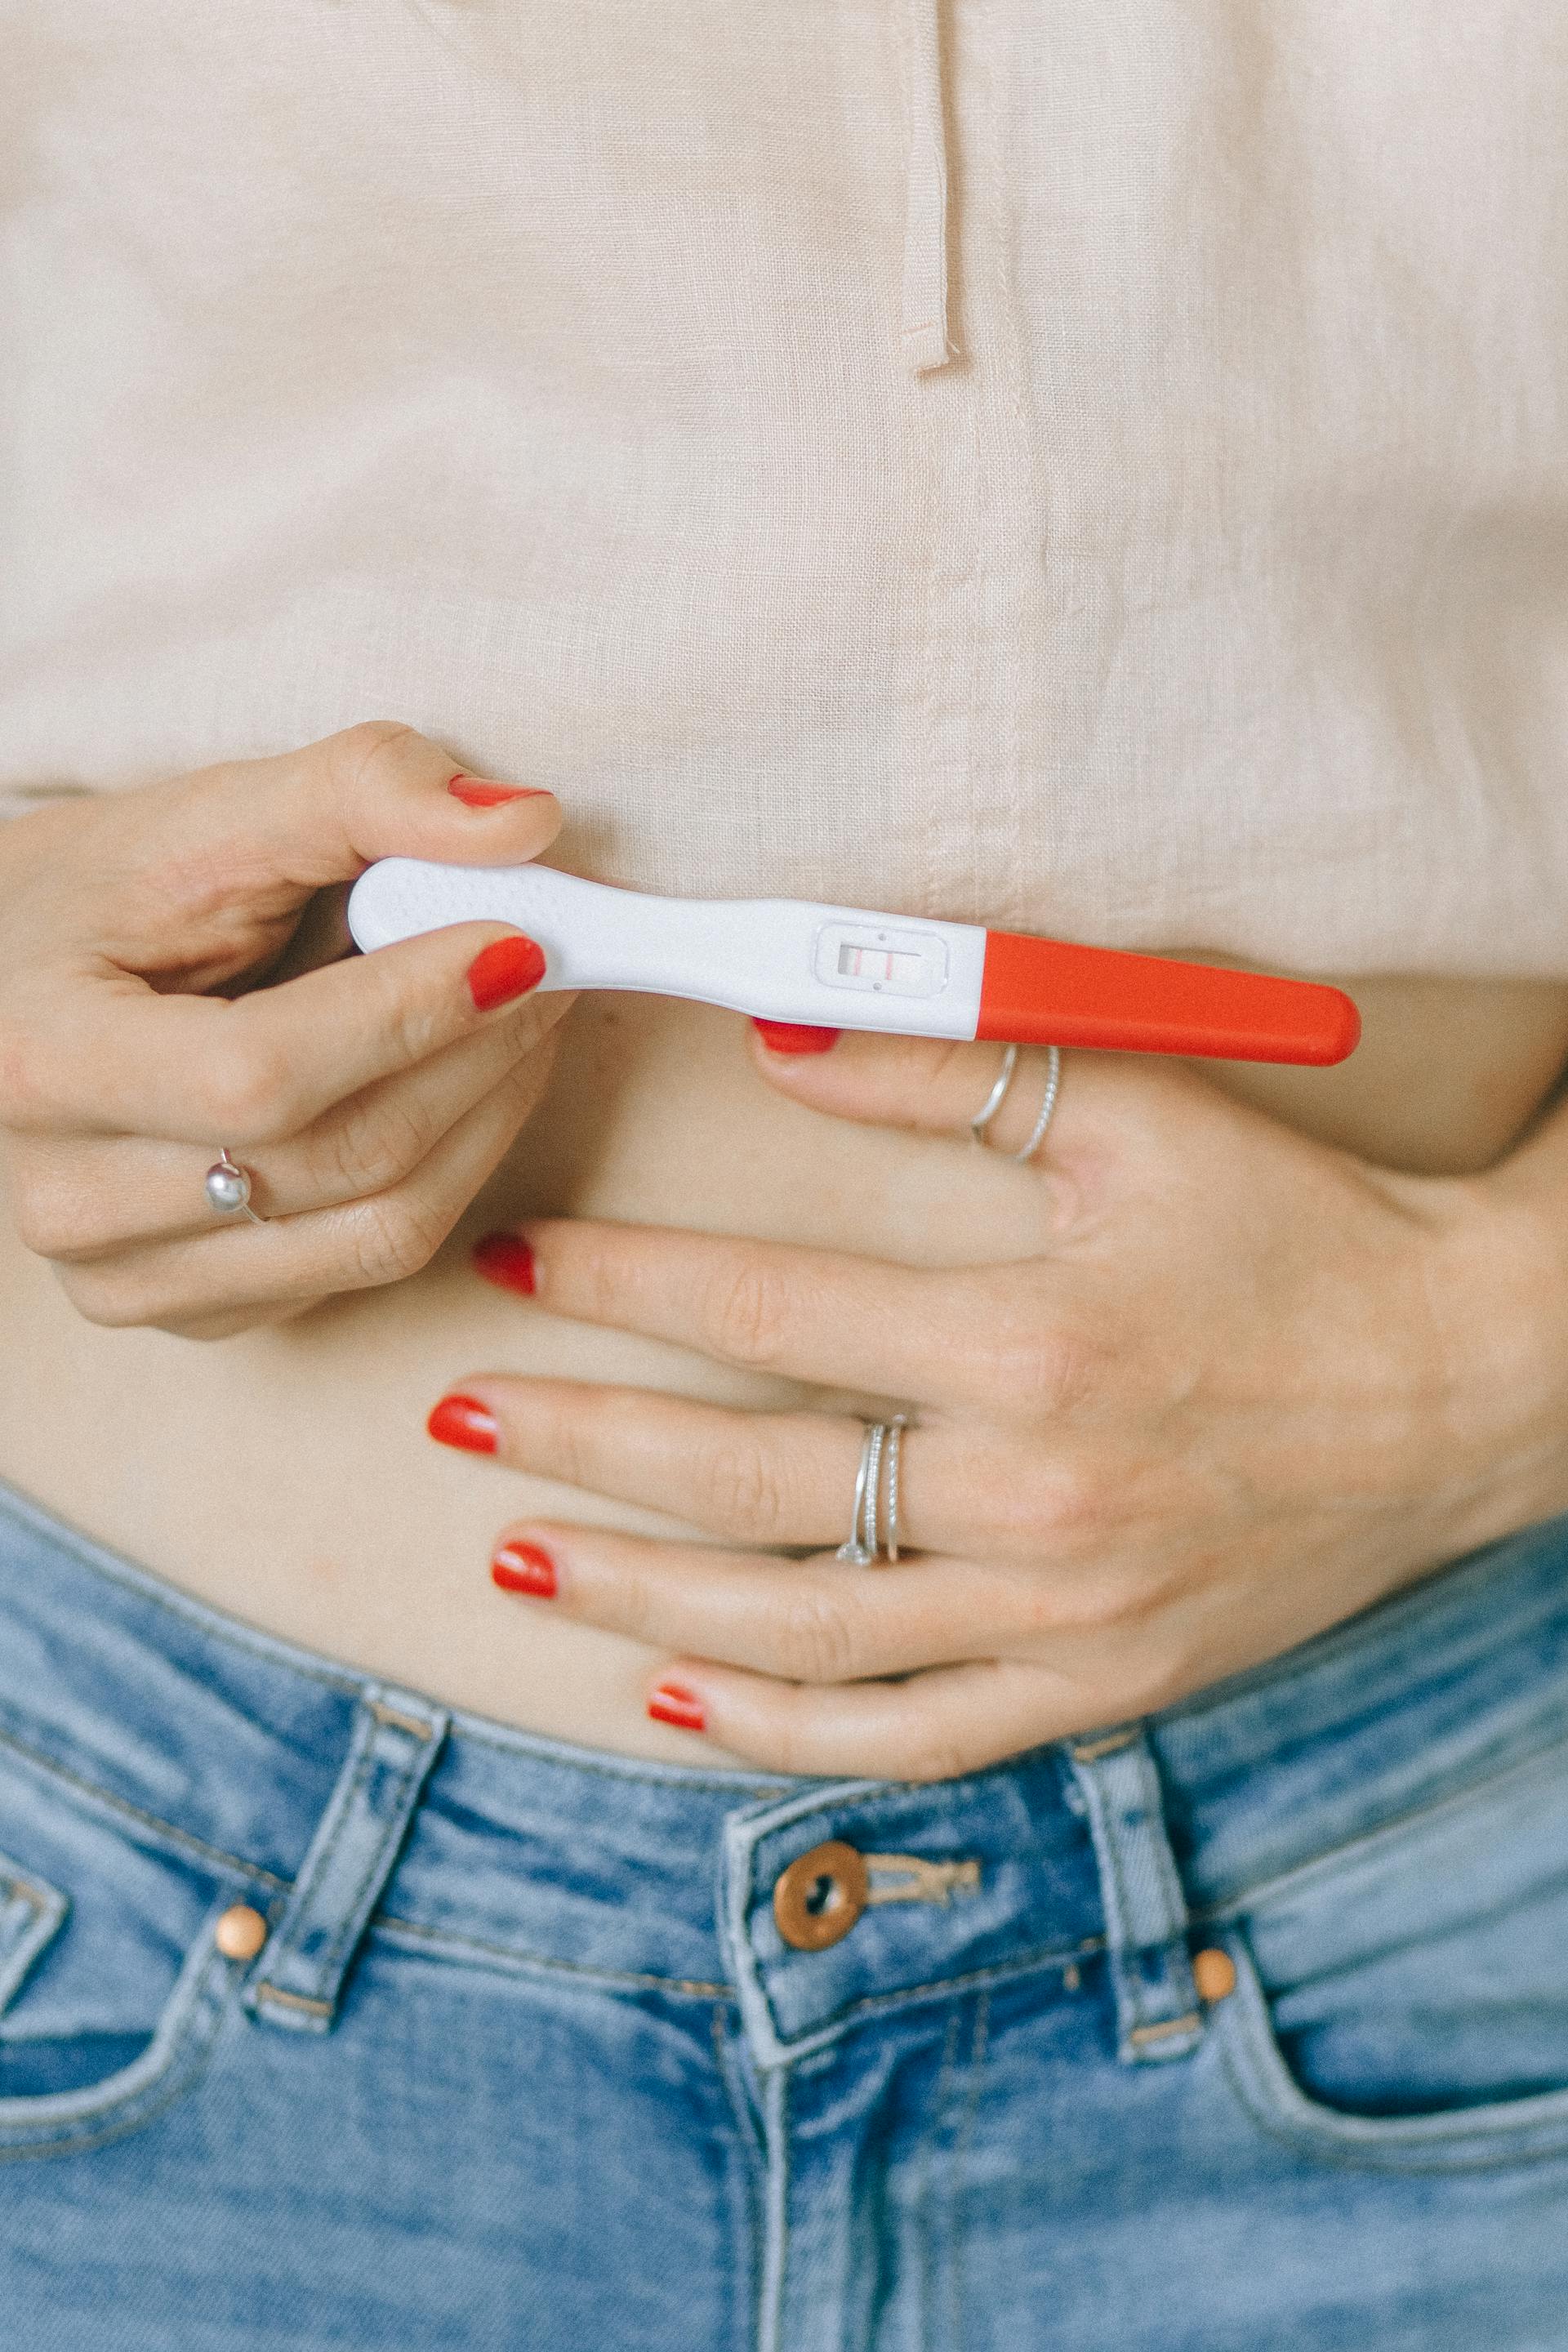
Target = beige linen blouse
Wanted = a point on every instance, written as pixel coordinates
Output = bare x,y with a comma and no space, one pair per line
1093,466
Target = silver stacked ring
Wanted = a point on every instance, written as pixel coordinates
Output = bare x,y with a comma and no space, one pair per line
865,1543
998,1095
229,1188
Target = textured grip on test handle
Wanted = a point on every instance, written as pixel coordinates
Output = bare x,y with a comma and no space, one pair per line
1046,992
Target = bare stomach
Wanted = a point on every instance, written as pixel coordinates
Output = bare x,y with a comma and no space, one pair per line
285,1476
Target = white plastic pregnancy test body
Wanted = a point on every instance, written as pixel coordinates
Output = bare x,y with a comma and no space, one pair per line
845,968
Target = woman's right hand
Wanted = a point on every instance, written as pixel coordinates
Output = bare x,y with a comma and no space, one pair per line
145,1022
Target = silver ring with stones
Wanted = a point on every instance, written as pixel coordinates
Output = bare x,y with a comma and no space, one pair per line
865,1543
229,1188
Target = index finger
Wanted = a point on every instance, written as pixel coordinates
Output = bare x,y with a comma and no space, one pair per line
864,1324
120,1058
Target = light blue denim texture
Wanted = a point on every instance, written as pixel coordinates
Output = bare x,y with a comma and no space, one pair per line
525,2062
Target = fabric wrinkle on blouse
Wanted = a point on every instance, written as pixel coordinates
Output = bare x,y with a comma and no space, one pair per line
1101,471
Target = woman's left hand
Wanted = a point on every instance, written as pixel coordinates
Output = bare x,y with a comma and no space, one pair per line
1246,1385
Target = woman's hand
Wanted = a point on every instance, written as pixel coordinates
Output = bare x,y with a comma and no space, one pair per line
1244,1386
145,1021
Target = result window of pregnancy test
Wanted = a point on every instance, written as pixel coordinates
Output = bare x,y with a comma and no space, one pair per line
889,964
882,965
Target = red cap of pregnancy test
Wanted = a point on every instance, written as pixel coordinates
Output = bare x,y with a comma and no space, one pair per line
1045,992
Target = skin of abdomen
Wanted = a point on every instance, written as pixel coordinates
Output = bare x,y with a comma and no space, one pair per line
285,1476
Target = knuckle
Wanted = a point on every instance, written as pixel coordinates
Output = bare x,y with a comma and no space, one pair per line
368,741
249,1090
743,1491
376,1150
745,1313
1048,1375
1053,1511
396,1236
1072,1510
818,1640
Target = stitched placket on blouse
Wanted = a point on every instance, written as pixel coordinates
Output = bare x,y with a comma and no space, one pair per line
924,318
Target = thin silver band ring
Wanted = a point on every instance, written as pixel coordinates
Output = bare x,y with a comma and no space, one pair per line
861,1546
997,1096
993,1101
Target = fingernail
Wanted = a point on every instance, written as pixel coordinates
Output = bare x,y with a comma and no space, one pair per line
520,1567
475,793
507,1260
464,1422
673,1703
794,1036
507,967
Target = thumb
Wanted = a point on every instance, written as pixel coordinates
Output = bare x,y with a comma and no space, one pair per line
382,790
261,835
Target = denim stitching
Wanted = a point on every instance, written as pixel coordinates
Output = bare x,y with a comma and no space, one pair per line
1121,1977
1165,2025
384,1853
770,2315
997,1972
1456,1799
1448,2140
754,2161
737,2089
192,2042
1388,2155
20,1956
922,2187
107,1797
409,1723
695,1986
979,2050
286,1940
293,2000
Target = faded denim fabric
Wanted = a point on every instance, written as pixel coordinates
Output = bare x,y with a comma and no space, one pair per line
525,2062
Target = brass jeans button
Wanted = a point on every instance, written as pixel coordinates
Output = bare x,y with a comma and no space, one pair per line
820,1898
240,1933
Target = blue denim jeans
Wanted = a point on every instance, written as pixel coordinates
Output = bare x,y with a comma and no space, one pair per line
551,2051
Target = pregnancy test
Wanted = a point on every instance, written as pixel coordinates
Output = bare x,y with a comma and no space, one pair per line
845,968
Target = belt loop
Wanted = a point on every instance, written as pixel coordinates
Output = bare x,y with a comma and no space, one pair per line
1158,2014
301,1969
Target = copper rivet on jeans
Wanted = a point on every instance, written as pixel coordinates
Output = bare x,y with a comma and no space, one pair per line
822,1893
1214,1973
240,1933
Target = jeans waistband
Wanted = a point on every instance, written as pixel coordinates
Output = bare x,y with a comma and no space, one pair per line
337,1798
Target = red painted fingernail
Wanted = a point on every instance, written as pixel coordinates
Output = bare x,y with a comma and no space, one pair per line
507,967
464,1422
673,1703
475,793
794,1036
505,1259
520,1567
